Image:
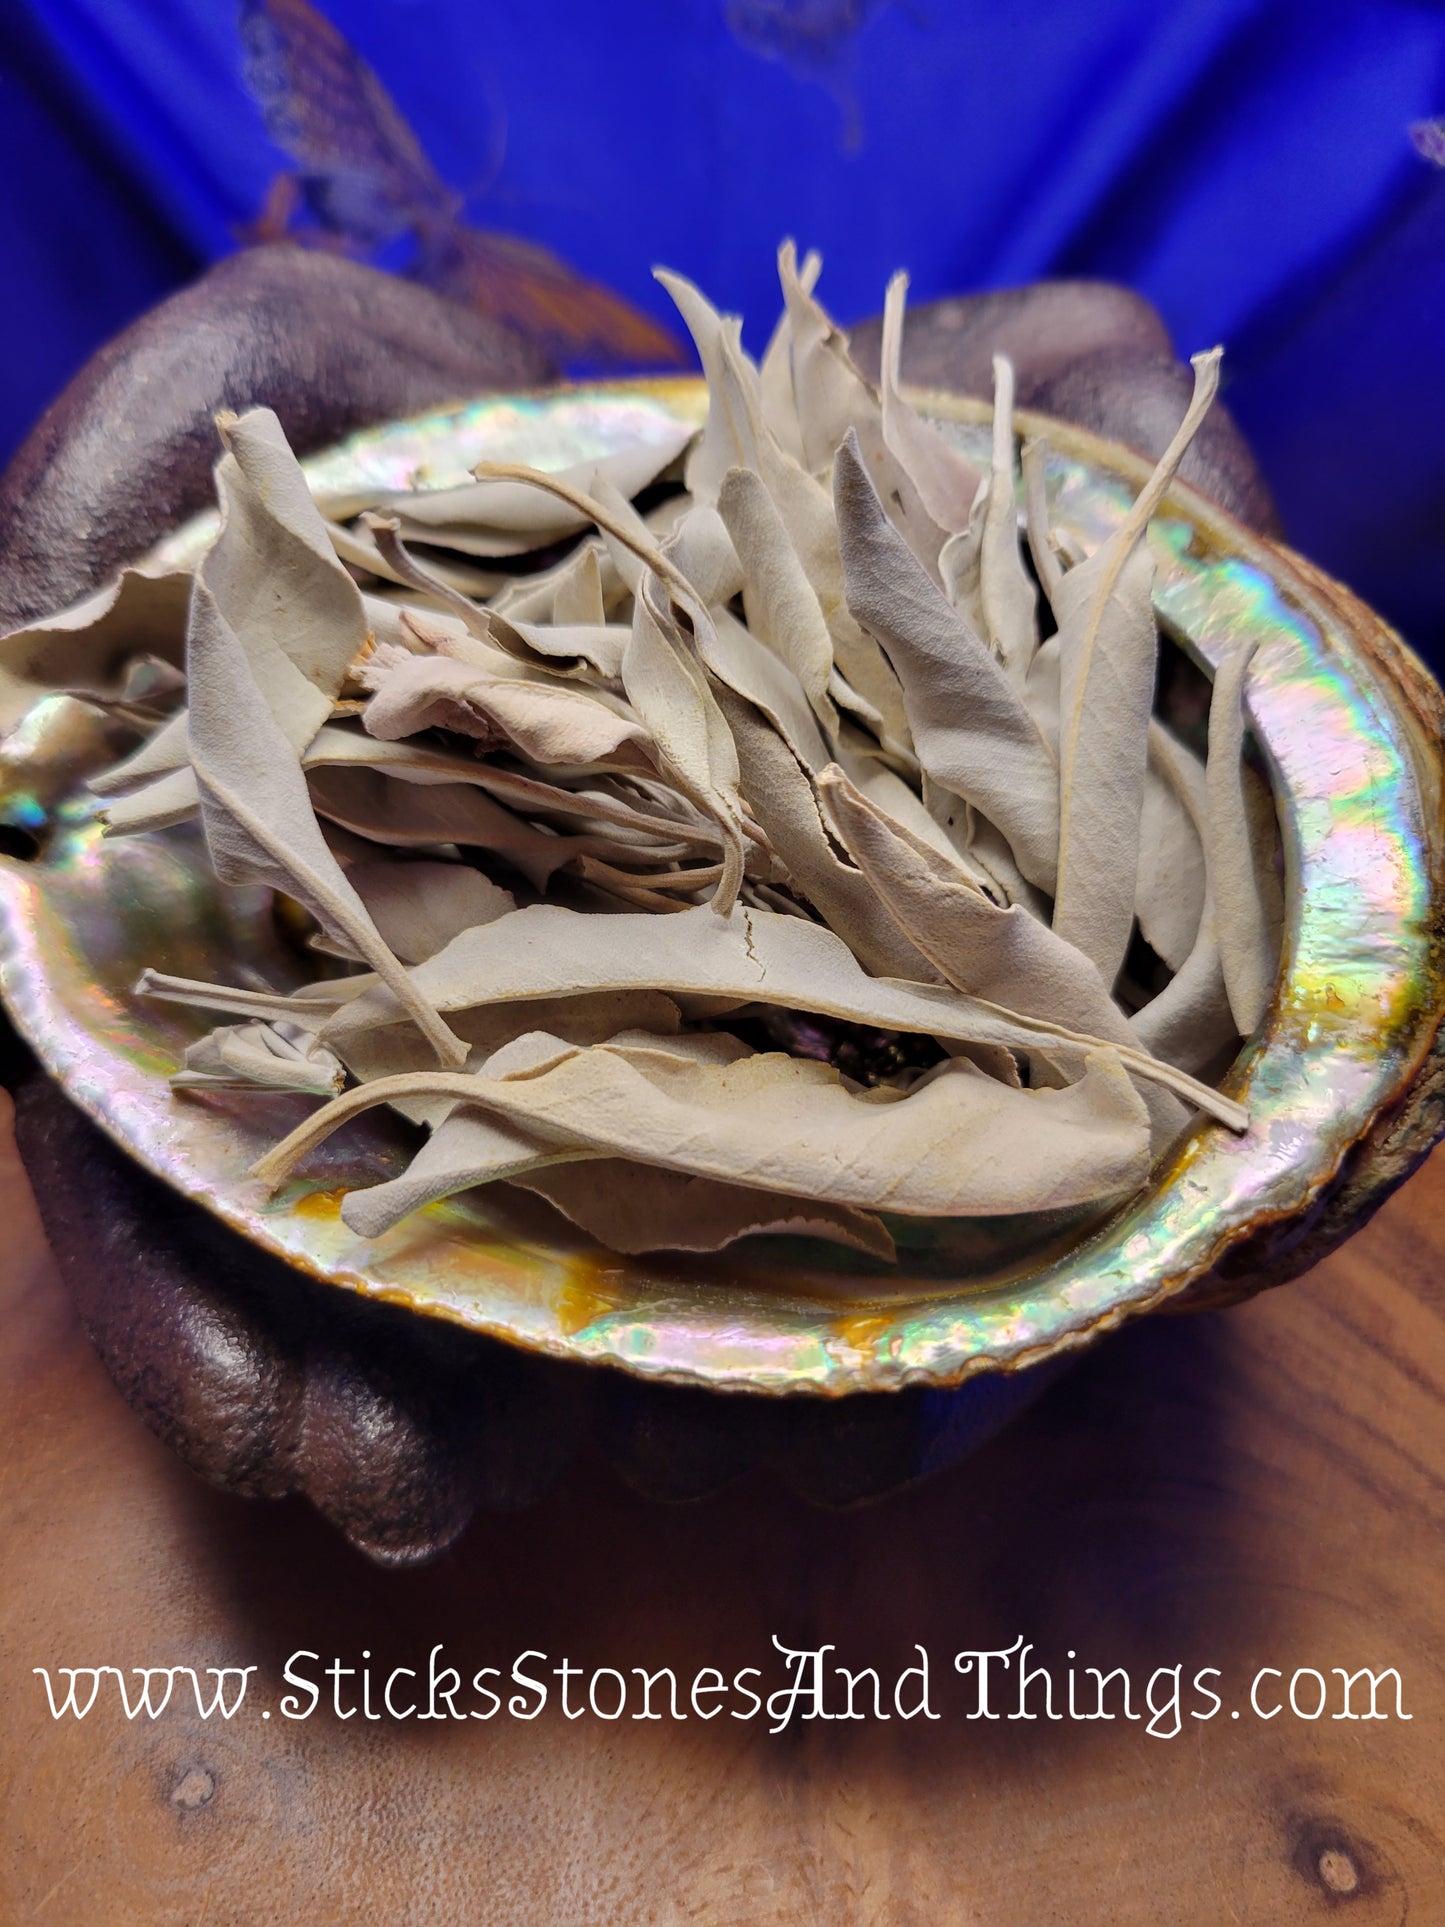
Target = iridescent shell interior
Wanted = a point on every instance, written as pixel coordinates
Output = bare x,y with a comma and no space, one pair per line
1356,778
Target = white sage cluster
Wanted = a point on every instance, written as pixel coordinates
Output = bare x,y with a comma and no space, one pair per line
768,862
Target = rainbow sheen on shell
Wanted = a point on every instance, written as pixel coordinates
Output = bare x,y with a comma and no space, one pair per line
1353,754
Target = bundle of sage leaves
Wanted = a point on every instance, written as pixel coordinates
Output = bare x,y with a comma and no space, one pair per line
773,854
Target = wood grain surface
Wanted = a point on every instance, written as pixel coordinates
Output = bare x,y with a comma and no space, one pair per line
1258,1488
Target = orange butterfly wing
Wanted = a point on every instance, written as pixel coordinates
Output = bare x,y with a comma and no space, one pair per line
534,291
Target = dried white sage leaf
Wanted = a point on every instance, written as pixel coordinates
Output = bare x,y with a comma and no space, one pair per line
671,693
87,649
338,746
1036,508
775,371
782,610
701,548
578,601
500,518
1001,955
357,546
402,815
960,564
398,1050
164,750
960,1144
974,735
1107,653
467,1147
738,661
947,482
592,651
836,399
782,796
829,389
262,1057
1189,1022
157,805
632,1208
1010,606
533,598
1241,874
419,907
1170,890
260,826
729,439
276,582
545,722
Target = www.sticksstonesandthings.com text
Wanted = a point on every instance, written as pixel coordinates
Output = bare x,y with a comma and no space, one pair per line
791,1684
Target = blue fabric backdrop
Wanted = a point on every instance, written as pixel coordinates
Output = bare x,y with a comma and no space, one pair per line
1244,163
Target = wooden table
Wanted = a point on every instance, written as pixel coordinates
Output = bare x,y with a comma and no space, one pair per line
1258,1488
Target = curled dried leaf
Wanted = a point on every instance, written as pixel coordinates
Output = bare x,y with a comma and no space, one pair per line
544,722
88,649
260,1057
402,566
959,1144
275,579
734,419
1241,852
397,814
167,749
672,695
